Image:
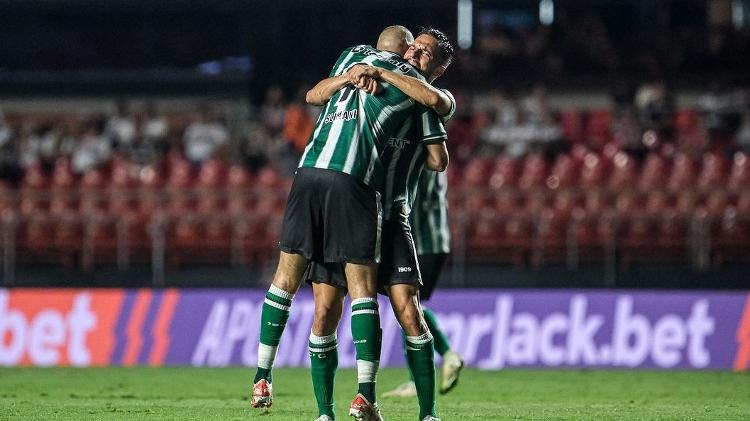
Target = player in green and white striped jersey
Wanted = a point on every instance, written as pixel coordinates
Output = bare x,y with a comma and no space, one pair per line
429,222
351,129
403,159
333,215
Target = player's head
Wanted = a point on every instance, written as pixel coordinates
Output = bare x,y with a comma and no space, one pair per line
431,53
395,39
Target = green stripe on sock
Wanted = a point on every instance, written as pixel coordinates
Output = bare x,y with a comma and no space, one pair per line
276,299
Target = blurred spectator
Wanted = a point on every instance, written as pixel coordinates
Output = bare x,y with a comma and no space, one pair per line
154,127
5,131
626,131
654,104
257,147
299,122
743,135
10,168
203,137
121,126
92,149
515,131
272,110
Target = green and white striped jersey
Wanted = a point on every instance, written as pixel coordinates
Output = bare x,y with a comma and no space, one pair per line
354,126
429,218
404,158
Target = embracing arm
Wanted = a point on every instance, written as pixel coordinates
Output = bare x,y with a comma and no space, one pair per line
418,90
324,90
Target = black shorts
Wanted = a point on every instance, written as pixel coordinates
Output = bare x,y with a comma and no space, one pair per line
430,265
398,261
331,217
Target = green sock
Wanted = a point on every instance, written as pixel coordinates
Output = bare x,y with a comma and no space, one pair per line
324,359
421,359
272,322
367,336
441,341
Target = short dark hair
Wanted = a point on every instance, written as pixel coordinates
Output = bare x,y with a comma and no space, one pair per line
444,44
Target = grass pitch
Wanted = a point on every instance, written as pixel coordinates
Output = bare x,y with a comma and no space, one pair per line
222,394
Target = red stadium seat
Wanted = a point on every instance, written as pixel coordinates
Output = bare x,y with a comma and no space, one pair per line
212,173
494,237
551,237
593,172
713,171
624,171
534,172
654,172
257,237
683,173
564,172
593,234
504,172
739,176
101,239
729,237
476,173
598,128
571,122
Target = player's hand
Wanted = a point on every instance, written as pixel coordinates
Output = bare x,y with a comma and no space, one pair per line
360,70
367,84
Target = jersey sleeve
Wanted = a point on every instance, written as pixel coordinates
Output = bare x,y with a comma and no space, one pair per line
341,63
433,129
452,110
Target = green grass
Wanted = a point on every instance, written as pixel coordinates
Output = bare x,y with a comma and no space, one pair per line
222,394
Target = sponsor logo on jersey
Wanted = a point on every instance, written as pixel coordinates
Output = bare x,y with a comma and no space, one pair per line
345,115
397,143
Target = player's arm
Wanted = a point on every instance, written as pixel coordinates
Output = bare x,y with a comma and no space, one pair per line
326,88
418,90
434,138
437,157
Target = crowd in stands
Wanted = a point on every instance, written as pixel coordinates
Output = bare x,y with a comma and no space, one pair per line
614,40
528,182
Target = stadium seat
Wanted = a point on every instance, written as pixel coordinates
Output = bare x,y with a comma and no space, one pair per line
212,173
598,128
592,234
33,195
101,239
713,171
683,173
654,172
476,173
504,172
624,171
534,172
593,172
551,237
199,238
571,122
564,172
502,238
729,237
739,176
657,202
257,237
596,201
